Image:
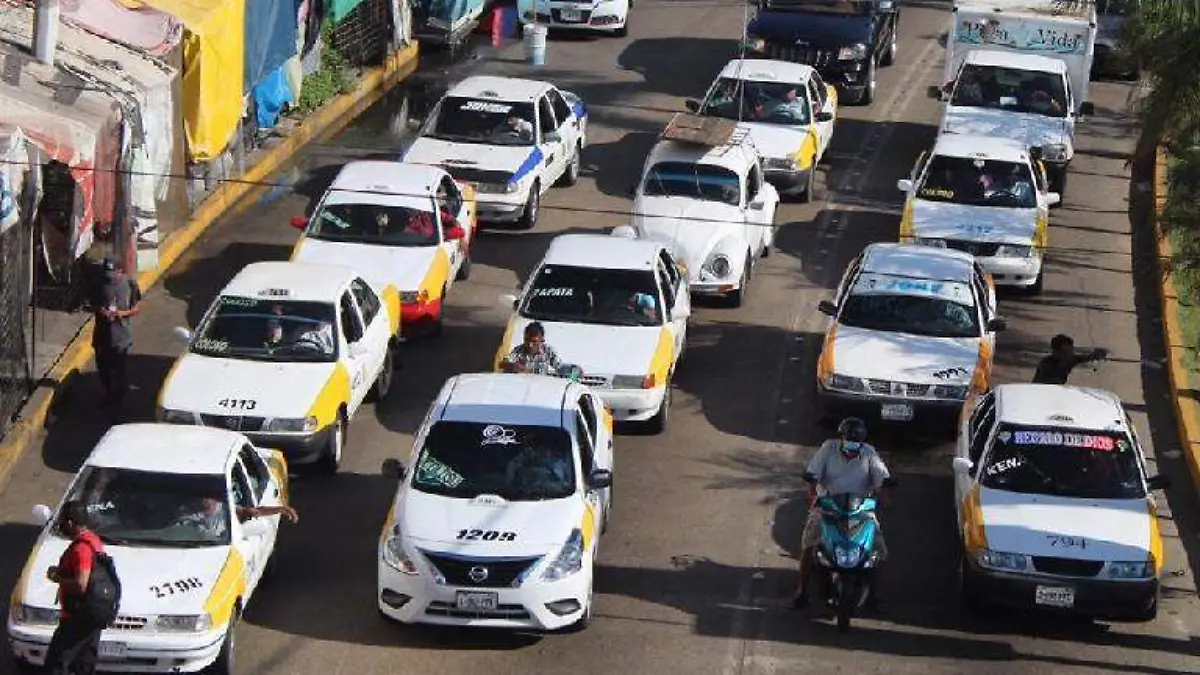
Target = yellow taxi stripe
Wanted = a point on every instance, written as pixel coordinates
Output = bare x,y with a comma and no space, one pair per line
334,394
167,380
18,593
391,300
296,249
1041,234
437,275
806,156
1156,544
664,358
606,418
974,535
588,527
229,586
981,380
505,341
832,92
277,464
907,229
825,361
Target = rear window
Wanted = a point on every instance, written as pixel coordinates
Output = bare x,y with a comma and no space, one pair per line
1064,463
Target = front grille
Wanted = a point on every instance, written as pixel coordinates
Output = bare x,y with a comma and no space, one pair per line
500,572
584,16
128,623
885,388
468,174
597,381
806,54
1067,567
501,612
976,248
233,422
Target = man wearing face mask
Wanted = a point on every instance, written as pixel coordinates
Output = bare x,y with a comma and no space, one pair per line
843,465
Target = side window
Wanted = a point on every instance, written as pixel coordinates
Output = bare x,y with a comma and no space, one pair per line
368,302
352,326
848,279
586,451
1039,174
667,289
668,263
454,198
753,183
818,85
814,96
256,470
982,290
562,109
980,426
546,116
919,166
243,495
589,414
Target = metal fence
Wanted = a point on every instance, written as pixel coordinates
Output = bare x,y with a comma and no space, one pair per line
16,376
364,35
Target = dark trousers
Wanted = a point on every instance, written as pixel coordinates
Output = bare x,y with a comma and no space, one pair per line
74,647
110,365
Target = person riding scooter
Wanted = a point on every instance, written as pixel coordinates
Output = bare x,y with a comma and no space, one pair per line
842,465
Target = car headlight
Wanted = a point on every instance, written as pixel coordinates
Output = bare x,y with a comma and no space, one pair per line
184,623
999,560
782,164
927,241
854,52
755,44
569,560
633,381
29,615
1054,152
497,188
414,297
845,383
847,556
719,265
956,392
1142,569
1013,251
170,416
291,424
395,555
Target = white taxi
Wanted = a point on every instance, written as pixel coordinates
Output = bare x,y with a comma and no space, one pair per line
1055,504
403,225
615,307
593,16
510,139
912,328
703,192
986,196
286,354
497,521
163,500
789,110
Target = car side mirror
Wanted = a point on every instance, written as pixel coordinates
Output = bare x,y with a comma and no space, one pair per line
551,137
962,465
509,300
1159,482
692,105
1053,199
184,335
42,514
1087,108
827,308
455,233
392,468
256,527
599,479
935,92
299,222
996,325
824,116
904,185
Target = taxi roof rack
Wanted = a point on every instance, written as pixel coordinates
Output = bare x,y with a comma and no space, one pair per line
712,132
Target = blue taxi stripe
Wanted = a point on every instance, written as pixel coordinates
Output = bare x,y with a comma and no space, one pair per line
579,108
533,161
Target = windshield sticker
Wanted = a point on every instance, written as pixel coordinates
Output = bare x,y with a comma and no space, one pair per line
1004,465
494,434
937,193
485,107
337,221
486,535
1123,445
553,292
951,373
1068,440
211,345
237,301
179,587
945,290
433,472
275,292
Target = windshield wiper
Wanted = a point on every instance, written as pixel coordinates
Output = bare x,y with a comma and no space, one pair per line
116,541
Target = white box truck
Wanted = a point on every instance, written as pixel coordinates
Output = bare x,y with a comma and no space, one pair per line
1020,69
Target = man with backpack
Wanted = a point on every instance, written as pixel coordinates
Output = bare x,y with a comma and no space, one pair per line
89,594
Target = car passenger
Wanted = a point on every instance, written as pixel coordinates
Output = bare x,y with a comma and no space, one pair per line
210,518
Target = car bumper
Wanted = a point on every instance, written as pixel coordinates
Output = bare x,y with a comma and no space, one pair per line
419,317
297,448
788,182
496,208
847,76
594,24
632,405
872,407
165,654
713,288
1020,272
417,599
1093,597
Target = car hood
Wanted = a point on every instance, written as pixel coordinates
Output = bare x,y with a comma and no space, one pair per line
515,159
1028,128
689,227
776,140
821,30
284,389
140,569
940,220
1113,529
903,357
434,521
404,267
598,349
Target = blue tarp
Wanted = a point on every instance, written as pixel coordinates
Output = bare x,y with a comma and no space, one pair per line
270,38
270,97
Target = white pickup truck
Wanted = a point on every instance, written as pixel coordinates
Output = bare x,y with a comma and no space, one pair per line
1020,69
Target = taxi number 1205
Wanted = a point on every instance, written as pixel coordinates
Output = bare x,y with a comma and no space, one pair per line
486,535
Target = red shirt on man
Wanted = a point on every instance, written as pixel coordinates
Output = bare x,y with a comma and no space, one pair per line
79,557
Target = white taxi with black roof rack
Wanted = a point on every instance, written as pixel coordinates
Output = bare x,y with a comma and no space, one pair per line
1055,504
618,309
497,520
162,499
384,219
286,354
912,331
511,139
986,196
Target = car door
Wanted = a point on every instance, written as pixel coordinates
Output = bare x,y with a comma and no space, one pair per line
971,443
456,250
251,547
552,146
681,311
672,319
569,126
595,499
818,95
592,408
357,356
375,319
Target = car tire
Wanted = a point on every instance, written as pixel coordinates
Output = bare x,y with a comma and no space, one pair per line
1039,283
658,423
810,187
1150,613
571,175
331,460
533,206
464,269
1058,183
383,382
623,31
738,298
889,53
439,326
868,95
607,512
225,663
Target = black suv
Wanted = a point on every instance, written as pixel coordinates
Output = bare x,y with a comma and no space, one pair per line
845,40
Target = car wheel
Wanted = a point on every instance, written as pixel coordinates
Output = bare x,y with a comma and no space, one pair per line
383,382
439,326
624,30
889,53
532,206
868,95
571,175
331,461
738,298
224,665
1150,613
1058,183
607,512
464,269
658,423
810,186
1038,284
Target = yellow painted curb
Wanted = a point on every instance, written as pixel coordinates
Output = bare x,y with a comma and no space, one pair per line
1187,407
228,199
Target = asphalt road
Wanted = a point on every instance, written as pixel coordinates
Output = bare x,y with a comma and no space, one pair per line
694,573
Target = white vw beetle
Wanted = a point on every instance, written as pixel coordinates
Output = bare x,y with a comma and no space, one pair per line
703,192
594,16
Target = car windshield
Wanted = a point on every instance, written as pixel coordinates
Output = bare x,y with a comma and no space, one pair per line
486,121
375,224
267,329
914,306
694,181
515,462
847,7
1026,91
978,182
127,506
1064,463
767,102
593,295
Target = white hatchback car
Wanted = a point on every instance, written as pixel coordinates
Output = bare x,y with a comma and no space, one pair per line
498,519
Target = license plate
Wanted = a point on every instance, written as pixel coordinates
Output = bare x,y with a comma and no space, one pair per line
112,650
896,412
476,602
571,15
1054,596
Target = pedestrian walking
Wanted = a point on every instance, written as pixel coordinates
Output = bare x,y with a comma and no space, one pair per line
116,301
1057,366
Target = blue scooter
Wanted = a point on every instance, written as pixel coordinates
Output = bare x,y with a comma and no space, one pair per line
846,556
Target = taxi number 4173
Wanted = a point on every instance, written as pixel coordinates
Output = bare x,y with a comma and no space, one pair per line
238,403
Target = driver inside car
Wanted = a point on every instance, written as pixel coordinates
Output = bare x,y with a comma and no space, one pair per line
318,334
540,470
